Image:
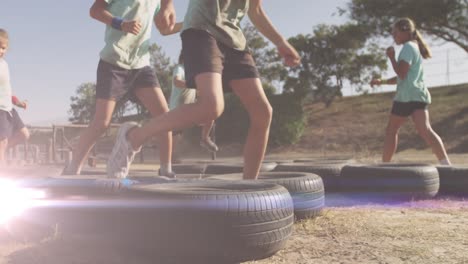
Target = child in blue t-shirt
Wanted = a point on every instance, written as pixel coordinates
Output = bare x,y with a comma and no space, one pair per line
412,97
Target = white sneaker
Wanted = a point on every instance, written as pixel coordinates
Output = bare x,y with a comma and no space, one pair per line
122,154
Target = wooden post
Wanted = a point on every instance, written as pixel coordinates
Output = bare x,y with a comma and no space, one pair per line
26,148
54,134
36,153
50,151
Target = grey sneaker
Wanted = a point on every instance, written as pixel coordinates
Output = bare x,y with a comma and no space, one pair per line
122,154
170,174
209,145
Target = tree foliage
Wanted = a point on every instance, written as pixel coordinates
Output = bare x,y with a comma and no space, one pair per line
266,57
331,56
82,104
445,19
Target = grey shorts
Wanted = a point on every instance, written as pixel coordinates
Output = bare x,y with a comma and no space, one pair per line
203,53
10,123
115,83
405,109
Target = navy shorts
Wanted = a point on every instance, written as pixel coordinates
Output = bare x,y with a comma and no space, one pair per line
405,109
115,83
10,123
203,53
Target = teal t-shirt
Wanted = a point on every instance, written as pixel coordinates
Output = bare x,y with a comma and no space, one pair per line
412,88
125,49
180,95
221,18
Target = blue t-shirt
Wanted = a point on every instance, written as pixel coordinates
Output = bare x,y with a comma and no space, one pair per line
412,88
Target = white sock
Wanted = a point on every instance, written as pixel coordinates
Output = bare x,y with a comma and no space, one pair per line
444,162
165,168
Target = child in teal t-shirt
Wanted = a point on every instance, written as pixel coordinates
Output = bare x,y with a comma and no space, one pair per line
412,97
124,69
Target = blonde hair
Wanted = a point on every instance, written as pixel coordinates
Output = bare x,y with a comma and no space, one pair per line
3,33
407,25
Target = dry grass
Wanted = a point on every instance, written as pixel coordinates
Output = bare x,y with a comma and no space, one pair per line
422,232
357,124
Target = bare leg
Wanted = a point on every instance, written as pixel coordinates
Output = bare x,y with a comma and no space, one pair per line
19,137
391,136
206,129
153,100
208,106
97,127
423,126
252,95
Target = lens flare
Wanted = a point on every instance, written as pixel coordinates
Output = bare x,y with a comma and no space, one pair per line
14,200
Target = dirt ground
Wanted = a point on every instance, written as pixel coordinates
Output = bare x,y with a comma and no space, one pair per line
432,231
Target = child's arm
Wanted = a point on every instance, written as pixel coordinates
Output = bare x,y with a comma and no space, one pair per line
261,21
165,19
177,28
99,12
379,81
179,82
18,103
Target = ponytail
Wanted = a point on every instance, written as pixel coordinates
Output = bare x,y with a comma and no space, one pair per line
423,47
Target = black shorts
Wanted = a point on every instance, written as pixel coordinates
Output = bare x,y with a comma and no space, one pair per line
203,53
114,82
10,123
405,109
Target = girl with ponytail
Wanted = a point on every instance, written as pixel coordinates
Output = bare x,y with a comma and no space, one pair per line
412,97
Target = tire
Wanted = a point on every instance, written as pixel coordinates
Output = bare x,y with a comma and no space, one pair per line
392,181
453,180
330,173
306,190
326,160
189,168
203,222
227,168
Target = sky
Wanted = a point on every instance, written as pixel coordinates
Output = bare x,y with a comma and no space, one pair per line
55,45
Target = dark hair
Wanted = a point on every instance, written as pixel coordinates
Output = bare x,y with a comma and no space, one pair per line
407,25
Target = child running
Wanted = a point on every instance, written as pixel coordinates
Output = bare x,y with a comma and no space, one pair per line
124,68
12,129
216,60
181,94
412,97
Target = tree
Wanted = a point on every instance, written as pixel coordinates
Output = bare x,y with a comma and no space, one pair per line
266,58
445,19
82,104
332,56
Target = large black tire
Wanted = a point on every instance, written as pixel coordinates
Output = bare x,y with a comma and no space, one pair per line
203,222
330,173
391,181
453,180
306,189
228,168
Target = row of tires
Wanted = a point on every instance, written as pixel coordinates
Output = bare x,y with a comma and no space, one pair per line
344,176
220,219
